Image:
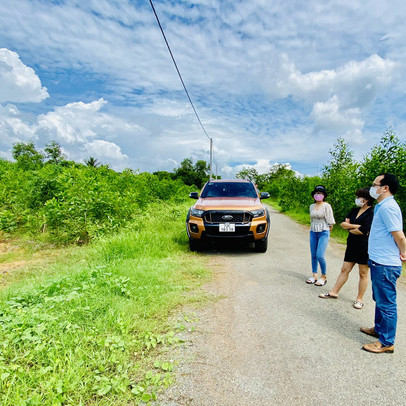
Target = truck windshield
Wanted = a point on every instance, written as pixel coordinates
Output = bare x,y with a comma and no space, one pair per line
229,189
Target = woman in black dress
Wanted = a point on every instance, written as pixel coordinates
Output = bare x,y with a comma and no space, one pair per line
358,223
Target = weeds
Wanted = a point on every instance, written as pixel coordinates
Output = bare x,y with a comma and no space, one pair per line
90,332
74,203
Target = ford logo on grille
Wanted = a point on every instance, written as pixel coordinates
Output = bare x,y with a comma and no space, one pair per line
227,217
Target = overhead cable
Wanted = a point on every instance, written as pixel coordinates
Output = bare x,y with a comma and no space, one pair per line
176,66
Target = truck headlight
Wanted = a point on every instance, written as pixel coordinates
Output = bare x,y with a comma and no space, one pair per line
196,212
258,213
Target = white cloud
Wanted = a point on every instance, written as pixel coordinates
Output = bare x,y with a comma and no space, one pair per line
80,128
331,116
169,108
105,149
355,83
271,81
339,96
18,83
83,129
73,123
12,127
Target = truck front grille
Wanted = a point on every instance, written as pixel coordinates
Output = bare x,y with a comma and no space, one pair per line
213,217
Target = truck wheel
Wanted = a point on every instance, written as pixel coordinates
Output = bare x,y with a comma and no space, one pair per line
195,245
261,245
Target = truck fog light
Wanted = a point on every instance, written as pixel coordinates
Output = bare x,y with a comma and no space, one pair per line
194,228
261,228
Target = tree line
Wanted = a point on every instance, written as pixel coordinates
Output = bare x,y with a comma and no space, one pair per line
191,174
342,176
46,196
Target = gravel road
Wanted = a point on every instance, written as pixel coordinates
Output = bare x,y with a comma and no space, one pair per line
269,339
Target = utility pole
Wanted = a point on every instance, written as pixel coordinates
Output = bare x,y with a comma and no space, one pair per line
211,158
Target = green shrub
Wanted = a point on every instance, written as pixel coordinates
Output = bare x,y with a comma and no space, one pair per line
75,203
342,176
90,330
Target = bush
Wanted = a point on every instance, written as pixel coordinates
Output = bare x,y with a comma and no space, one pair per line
93,330
75,203
342,176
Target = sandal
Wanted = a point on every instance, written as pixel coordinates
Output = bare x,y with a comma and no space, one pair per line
311,280
320,282
358,304
327,296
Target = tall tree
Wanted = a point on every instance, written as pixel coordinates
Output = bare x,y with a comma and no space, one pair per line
53,152
388,156
202,170
248,174
190,174
26,156
341,177
163,175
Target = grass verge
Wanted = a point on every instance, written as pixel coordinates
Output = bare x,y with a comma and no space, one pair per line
88,328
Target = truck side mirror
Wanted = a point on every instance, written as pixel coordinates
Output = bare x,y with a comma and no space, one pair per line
194,195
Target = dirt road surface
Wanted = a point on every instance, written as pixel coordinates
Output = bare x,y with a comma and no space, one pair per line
270,340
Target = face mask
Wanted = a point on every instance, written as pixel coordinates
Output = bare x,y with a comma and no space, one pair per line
372,192
318,198
358,202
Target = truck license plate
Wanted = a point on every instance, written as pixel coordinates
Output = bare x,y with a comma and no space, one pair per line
227,227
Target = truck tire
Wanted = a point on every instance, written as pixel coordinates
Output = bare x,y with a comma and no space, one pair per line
195,245
261,245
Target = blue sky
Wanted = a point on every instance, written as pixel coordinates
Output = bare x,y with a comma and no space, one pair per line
272,81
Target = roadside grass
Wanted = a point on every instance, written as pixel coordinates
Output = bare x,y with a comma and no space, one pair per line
25,260
91,328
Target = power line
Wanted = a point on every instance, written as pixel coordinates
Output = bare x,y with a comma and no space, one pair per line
176,66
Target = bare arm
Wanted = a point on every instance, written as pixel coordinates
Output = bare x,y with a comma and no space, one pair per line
346,225
400,241
355,231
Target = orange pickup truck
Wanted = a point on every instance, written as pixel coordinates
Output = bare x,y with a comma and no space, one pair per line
228,209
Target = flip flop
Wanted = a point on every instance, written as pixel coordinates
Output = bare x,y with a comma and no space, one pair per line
320,282
327,296
311,280
358,304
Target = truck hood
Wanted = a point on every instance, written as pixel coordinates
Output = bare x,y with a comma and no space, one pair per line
228,203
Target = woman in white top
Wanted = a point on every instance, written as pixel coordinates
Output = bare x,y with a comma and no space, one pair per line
322,221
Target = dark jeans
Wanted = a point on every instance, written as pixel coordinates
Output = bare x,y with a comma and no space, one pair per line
384,293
